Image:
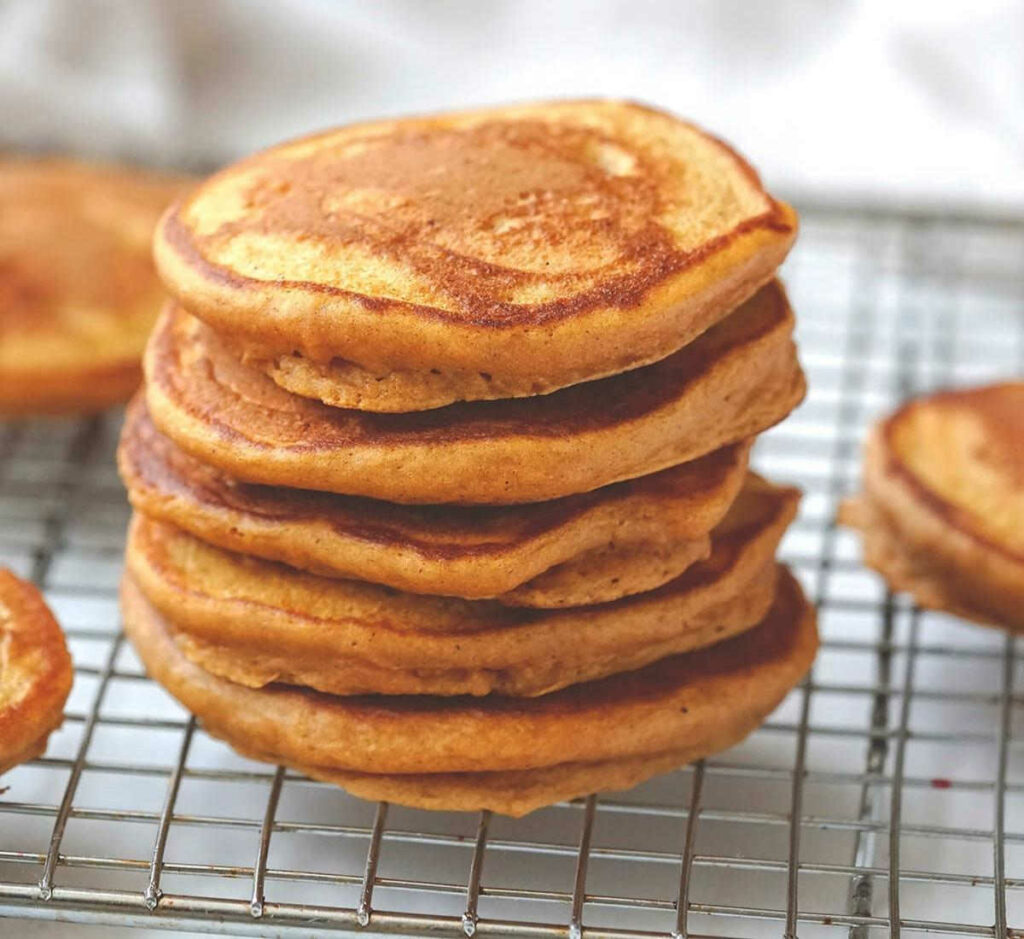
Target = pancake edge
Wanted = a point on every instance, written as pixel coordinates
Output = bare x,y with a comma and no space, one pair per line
348,733
987,579
491,469
37,659
477,571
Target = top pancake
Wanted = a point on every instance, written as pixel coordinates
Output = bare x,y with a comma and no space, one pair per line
532,246
737,379
944,477
78,291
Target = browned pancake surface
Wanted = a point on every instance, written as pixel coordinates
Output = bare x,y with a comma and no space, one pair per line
545,243
962,451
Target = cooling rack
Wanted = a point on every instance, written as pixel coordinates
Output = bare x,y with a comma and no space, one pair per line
884,797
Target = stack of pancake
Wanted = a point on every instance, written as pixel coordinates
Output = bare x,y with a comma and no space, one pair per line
440,473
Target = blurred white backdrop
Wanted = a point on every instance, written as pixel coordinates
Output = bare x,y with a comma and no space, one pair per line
908,101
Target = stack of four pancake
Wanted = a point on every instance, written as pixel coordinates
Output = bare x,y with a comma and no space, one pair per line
440,473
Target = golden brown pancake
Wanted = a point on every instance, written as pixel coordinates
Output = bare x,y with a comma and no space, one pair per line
460,551
943,503
506,754
35,672
78,291
257,622
737,379
488,254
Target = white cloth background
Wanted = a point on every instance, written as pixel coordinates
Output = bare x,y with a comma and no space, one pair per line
912,101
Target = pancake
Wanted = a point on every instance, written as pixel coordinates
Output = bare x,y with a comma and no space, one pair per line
505,754
489,254
511,792
257,622
78,291
467,552
885,552
35,672
943,504
736,380
610,573
344,384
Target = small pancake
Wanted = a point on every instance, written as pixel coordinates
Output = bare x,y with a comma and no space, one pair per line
737,379
502,252
506,754
78,290
35,672
258,622
944,478
466,552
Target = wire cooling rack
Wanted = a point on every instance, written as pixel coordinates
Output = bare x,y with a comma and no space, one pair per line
884,797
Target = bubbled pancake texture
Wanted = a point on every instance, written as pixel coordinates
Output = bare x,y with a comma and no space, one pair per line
943,504
440,473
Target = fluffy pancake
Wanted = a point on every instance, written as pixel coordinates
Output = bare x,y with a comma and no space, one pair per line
78,291
495,253
258,622
460,551
506,754
943,503
737,379
35,672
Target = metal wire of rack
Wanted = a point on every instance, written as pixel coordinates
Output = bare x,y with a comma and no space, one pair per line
884,797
